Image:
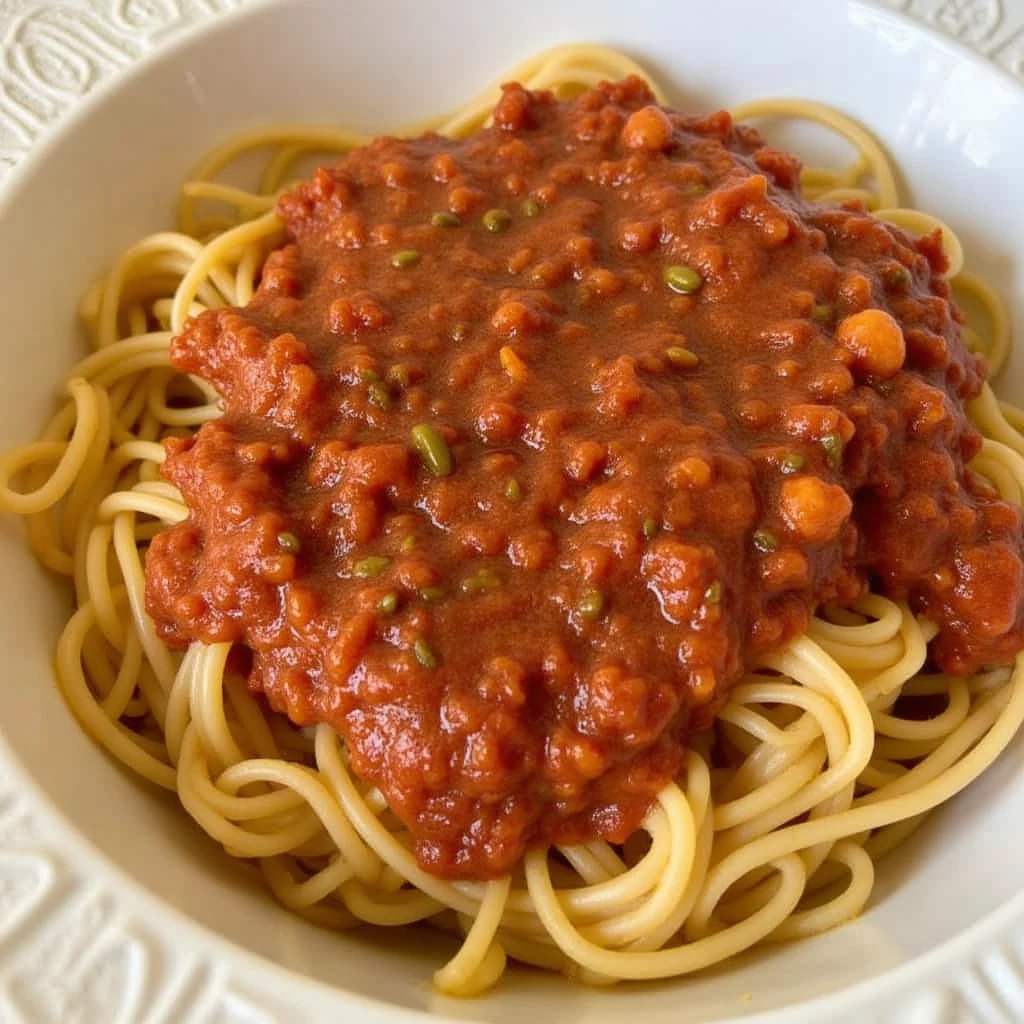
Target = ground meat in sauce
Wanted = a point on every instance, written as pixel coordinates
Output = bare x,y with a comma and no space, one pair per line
683,407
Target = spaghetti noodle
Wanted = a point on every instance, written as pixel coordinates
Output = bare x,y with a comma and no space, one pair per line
835,763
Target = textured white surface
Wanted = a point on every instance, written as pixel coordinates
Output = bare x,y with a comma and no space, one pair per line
74,948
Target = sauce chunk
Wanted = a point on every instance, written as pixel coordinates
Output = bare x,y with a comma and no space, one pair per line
532,441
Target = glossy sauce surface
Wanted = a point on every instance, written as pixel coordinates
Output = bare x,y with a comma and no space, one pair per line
532,441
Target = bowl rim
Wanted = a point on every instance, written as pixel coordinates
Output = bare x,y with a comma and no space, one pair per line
915,976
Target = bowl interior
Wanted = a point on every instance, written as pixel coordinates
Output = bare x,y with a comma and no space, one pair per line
110,177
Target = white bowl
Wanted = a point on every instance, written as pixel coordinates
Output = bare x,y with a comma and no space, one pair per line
108,177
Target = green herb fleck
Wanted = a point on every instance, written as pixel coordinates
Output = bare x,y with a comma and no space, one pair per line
445,219
482,579
822,314
897,277
379,395
424,653
683,279
433,449
513,490
765,541
650,527
532,208
431,594
713,595
372,565
497,220
793,462
388,603
288,541
591,604
833,445
408,543
405,258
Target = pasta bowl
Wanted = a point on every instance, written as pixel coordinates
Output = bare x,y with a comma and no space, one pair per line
166,924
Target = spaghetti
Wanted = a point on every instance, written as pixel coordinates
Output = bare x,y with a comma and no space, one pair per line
835,762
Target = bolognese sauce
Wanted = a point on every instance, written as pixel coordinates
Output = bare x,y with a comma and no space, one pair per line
532,441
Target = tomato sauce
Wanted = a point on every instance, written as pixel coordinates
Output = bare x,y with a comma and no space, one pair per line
532,441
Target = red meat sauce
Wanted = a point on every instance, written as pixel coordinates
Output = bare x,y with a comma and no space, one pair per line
683,407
